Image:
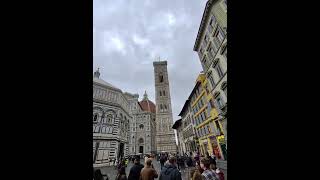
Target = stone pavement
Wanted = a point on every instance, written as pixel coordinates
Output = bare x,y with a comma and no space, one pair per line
111,171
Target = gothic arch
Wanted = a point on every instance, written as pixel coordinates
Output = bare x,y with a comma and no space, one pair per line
141,140
98,113
98,109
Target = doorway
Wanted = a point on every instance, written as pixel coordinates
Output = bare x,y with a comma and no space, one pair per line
224,151
121,151
141,149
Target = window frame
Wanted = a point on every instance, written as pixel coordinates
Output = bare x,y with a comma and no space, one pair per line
95,117
211,79
224,87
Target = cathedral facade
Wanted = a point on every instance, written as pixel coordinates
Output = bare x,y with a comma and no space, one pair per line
142,125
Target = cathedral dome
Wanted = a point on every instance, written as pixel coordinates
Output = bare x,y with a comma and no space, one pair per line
147,105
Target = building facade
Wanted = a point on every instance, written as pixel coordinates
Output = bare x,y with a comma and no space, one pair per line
165,137
178,127
189,137
111,116
142,126
208,129
211,46
122,125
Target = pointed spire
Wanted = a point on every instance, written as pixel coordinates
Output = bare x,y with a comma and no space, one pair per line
145,96
97,73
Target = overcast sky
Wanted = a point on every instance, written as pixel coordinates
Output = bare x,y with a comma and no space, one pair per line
128,35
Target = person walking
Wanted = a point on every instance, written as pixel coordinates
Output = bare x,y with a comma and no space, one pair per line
170,170
189,160
135,170
98,175
121,174
197,158
195,174
148,172
146,157
212,161
208,174
162,160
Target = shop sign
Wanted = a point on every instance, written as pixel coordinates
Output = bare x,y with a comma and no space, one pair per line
221,139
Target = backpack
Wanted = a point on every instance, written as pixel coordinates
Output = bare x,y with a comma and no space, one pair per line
162,159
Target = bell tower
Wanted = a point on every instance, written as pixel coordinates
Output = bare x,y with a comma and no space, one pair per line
165,137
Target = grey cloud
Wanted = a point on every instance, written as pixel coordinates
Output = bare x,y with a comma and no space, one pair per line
126,61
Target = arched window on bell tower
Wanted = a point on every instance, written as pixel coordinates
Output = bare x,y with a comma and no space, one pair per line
160,77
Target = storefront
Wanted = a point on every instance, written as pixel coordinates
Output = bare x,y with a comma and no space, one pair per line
204,147
223,146
215,147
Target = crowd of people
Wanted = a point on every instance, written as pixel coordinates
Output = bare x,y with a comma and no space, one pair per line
201,168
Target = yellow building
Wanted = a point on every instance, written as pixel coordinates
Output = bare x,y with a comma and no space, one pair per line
211,47
205,119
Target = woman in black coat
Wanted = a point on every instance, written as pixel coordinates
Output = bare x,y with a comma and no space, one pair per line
98,175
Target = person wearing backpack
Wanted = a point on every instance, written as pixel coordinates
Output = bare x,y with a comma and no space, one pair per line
135,170
208,174
170,170
162,160
189,160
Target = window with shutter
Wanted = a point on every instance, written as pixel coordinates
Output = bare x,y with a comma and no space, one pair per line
210,52
212,23
219,70
220,36
206,40
204,63
211,79
224,87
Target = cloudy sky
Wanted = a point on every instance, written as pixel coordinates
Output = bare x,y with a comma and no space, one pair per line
128,35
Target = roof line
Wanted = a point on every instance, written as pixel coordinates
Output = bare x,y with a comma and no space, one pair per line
204,17
184,106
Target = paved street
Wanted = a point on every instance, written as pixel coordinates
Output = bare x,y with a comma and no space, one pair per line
112,172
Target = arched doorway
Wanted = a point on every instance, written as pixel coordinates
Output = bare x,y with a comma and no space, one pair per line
141,149
141,141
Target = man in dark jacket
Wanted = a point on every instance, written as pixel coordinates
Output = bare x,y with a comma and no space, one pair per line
135,170
170,170
162,160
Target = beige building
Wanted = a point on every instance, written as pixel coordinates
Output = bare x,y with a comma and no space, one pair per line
165,137
189,137
179,129
211,46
